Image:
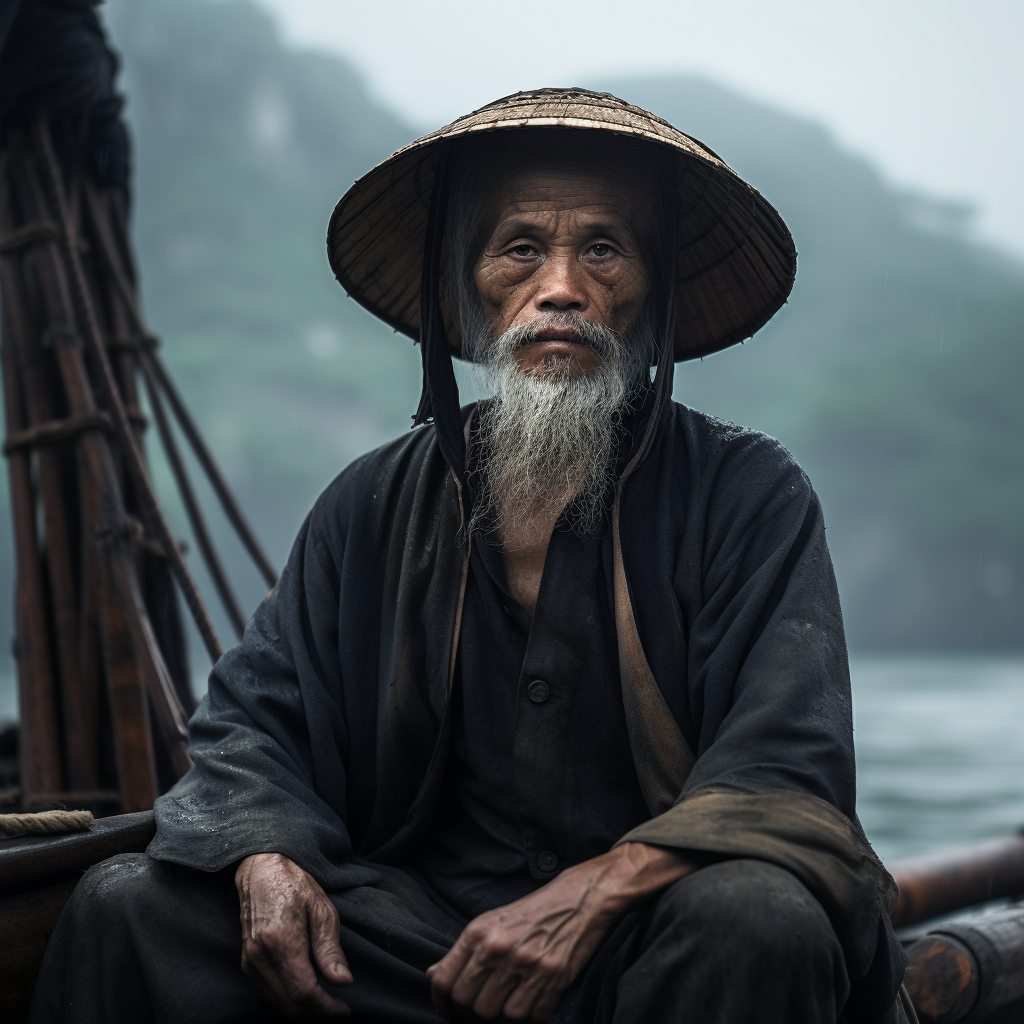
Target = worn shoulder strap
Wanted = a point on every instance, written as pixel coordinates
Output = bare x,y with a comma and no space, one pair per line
661,754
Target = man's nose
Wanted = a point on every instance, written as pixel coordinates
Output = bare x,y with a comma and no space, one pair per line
561,285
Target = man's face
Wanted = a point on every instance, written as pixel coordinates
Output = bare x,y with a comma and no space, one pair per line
560,239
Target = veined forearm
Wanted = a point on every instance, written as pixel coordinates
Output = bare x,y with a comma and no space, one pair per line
630,873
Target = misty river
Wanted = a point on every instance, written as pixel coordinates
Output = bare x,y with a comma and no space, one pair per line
939,748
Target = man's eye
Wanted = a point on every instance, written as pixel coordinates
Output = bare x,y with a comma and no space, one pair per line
601,249
522,251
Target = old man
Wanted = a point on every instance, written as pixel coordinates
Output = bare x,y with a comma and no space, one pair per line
549,716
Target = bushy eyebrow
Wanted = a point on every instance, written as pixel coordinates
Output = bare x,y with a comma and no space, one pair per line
524,224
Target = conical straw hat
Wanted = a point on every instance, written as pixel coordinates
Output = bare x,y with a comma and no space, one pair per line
736,259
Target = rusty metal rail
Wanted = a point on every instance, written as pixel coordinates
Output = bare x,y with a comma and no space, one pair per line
969,968
953,880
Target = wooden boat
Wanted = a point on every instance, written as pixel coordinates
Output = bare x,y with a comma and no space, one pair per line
37,876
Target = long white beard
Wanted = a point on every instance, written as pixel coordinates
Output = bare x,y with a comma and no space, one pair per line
547,437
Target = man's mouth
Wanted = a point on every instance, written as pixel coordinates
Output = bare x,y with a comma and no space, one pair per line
552,350
568,334
558,340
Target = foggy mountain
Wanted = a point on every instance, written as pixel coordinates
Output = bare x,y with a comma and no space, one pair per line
892,374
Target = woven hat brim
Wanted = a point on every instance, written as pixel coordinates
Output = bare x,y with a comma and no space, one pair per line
736,259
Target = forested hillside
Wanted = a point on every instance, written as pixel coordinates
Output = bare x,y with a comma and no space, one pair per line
893,373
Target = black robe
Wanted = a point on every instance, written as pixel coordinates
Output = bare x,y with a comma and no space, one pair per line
323,733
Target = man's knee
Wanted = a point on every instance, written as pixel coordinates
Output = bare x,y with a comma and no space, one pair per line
740,940
132,930
120,892
754,909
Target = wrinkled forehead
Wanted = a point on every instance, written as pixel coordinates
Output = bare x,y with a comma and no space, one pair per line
559,169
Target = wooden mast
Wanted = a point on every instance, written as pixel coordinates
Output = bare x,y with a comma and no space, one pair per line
97,616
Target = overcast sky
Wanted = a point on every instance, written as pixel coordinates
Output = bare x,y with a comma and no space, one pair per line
931,90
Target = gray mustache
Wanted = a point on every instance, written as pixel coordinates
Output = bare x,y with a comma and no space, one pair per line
603,340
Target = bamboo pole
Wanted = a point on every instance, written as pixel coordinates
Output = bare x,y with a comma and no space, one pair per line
231,507
90,634
195,515
152,513
52,465
113,532
39,752
98,487
123,358
133,746
158,584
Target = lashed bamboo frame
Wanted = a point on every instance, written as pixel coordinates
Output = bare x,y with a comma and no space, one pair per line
73,342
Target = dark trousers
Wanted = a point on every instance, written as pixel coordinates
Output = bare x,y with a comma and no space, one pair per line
738,941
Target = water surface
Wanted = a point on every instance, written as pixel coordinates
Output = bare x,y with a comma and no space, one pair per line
940,750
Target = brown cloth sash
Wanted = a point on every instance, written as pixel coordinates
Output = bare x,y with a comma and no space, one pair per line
661,754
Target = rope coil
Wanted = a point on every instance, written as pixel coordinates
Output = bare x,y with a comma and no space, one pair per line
29,234
135,343
57,430
44,823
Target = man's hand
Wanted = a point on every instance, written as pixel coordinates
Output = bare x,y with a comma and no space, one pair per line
288,924
516,961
